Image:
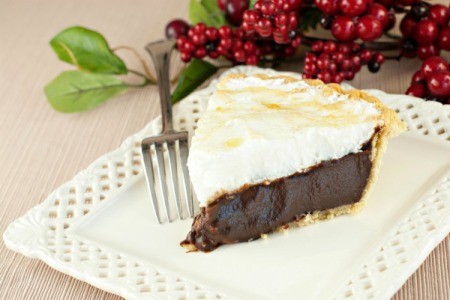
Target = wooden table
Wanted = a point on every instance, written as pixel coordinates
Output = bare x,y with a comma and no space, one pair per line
41,148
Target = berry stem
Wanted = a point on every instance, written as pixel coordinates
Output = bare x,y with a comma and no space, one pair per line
149,74
146,82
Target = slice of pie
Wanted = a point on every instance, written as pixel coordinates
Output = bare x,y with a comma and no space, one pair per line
274,151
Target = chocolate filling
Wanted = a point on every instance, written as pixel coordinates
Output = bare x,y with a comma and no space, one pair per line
258,209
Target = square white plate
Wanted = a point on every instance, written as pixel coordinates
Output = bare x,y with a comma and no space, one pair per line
100,227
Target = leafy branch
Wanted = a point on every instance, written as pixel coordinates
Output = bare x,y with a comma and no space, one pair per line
95,80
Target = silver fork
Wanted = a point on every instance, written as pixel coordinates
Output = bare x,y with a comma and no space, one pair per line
161,172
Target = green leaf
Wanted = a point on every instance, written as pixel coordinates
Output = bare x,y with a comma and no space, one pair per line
88,50
252,4
206,11
75,91
196,72
310,18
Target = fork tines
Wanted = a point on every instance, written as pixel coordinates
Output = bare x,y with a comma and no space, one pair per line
165,159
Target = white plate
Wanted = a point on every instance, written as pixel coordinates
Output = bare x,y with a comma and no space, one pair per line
100,227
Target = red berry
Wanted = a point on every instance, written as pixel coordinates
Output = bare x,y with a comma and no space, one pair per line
323,63
417,89
346,64
238,33
329,7
237,44
343,29
221,4
310,58
391,22
176,28
224,31
214,54
239,55
353,8
324,76
200,52
439,84
349,75
281,36
426,32
337,57
344,49
221,50
185,57
187,47
444,39
332,68
264,27
251,16
294,4
199,28
226,43
368,28
211,33
338,77
307,76
292,21
281,19
268,8
199,39
432,65
408,26
426,51
379,58
180,41
366,55
380,13
247,27
252,60
310,68
317,46
440,14
356,60
234,11
329,47
296,42
418,77
249,47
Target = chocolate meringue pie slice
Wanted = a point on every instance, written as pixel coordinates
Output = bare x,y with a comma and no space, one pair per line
271,152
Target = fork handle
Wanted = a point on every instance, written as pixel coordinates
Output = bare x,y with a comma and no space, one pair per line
160,53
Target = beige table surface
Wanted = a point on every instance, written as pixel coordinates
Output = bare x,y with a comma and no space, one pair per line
41,149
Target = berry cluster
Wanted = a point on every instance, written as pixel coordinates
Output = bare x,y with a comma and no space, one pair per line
426,30
351,19
334,62
432,81
271,30
276,19
202,41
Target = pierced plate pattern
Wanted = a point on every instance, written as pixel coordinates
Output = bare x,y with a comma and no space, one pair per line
42,232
